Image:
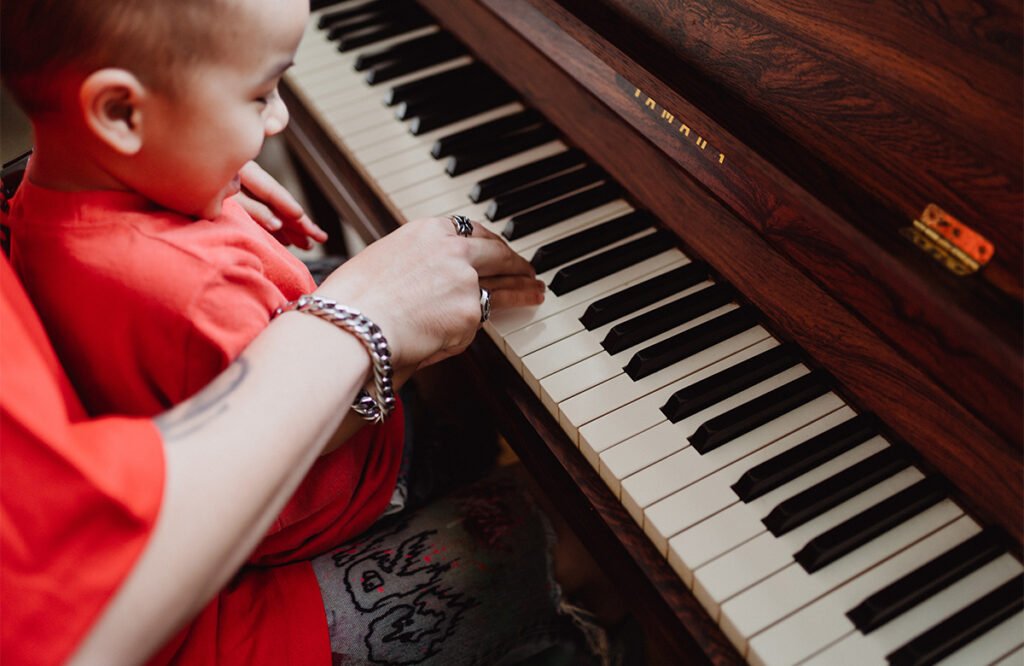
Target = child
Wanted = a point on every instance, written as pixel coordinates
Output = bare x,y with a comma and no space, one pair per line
150,279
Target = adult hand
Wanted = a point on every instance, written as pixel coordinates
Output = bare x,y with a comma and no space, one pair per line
421,285
275,209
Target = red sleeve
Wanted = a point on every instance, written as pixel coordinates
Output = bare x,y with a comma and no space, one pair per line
77,498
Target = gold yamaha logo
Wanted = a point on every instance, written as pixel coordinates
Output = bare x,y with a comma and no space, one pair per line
683,130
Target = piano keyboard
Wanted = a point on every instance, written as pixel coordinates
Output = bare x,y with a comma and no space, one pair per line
805,534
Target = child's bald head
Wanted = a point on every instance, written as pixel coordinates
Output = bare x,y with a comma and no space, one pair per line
45,41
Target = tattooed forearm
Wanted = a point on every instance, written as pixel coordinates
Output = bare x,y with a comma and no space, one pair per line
203,407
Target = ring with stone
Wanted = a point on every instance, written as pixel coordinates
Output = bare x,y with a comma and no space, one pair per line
485,305
463,226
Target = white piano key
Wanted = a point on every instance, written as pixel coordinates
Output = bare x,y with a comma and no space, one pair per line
506,321
407,151
391,127
546,332
533,350
422,165
344,104
824,621
322,41
336,81
755,609
720,575
314,53
665,477
992,646
1015,657
390,155
565,327
583,344
600,367
383,158
603,435
592,403
336,71
450,202
661,525
441,204
528,244
706,497
440,182
858,648
354,119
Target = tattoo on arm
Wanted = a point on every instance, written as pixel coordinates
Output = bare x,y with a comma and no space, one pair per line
203,407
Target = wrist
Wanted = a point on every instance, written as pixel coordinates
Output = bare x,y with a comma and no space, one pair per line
377,403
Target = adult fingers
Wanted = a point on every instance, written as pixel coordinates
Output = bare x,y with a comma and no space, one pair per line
491,255
485,251
508,291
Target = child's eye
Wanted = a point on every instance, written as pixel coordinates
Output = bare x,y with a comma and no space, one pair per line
265,99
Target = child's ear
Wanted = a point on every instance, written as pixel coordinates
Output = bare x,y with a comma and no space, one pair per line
112,102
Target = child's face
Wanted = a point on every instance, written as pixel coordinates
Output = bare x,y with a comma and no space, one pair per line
195,143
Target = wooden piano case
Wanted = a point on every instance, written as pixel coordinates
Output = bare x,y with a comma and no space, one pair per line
792,146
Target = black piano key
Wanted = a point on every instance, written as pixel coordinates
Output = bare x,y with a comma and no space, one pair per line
819,498
790,464
409,20
574,246
927,580
644,327
546,190
513,145
615,259
671,350
434,104
438,84
868,524
608,309
556,211
695,397
429,50
962,627
417,47
369,20
327,19
365,21
465,107
744,418
524,175
485,133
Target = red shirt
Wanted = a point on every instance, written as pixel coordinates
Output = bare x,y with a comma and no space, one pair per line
78,499
146,306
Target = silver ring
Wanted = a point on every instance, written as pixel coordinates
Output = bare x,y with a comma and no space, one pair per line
463,226
485,305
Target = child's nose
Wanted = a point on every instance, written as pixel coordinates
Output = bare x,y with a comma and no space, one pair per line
276,116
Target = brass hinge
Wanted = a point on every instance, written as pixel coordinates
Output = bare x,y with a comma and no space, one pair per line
949,241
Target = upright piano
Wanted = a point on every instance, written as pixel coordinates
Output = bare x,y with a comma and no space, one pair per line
776,383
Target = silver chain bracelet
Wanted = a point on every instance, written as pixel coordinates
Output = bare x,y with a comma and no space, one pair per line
375,407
